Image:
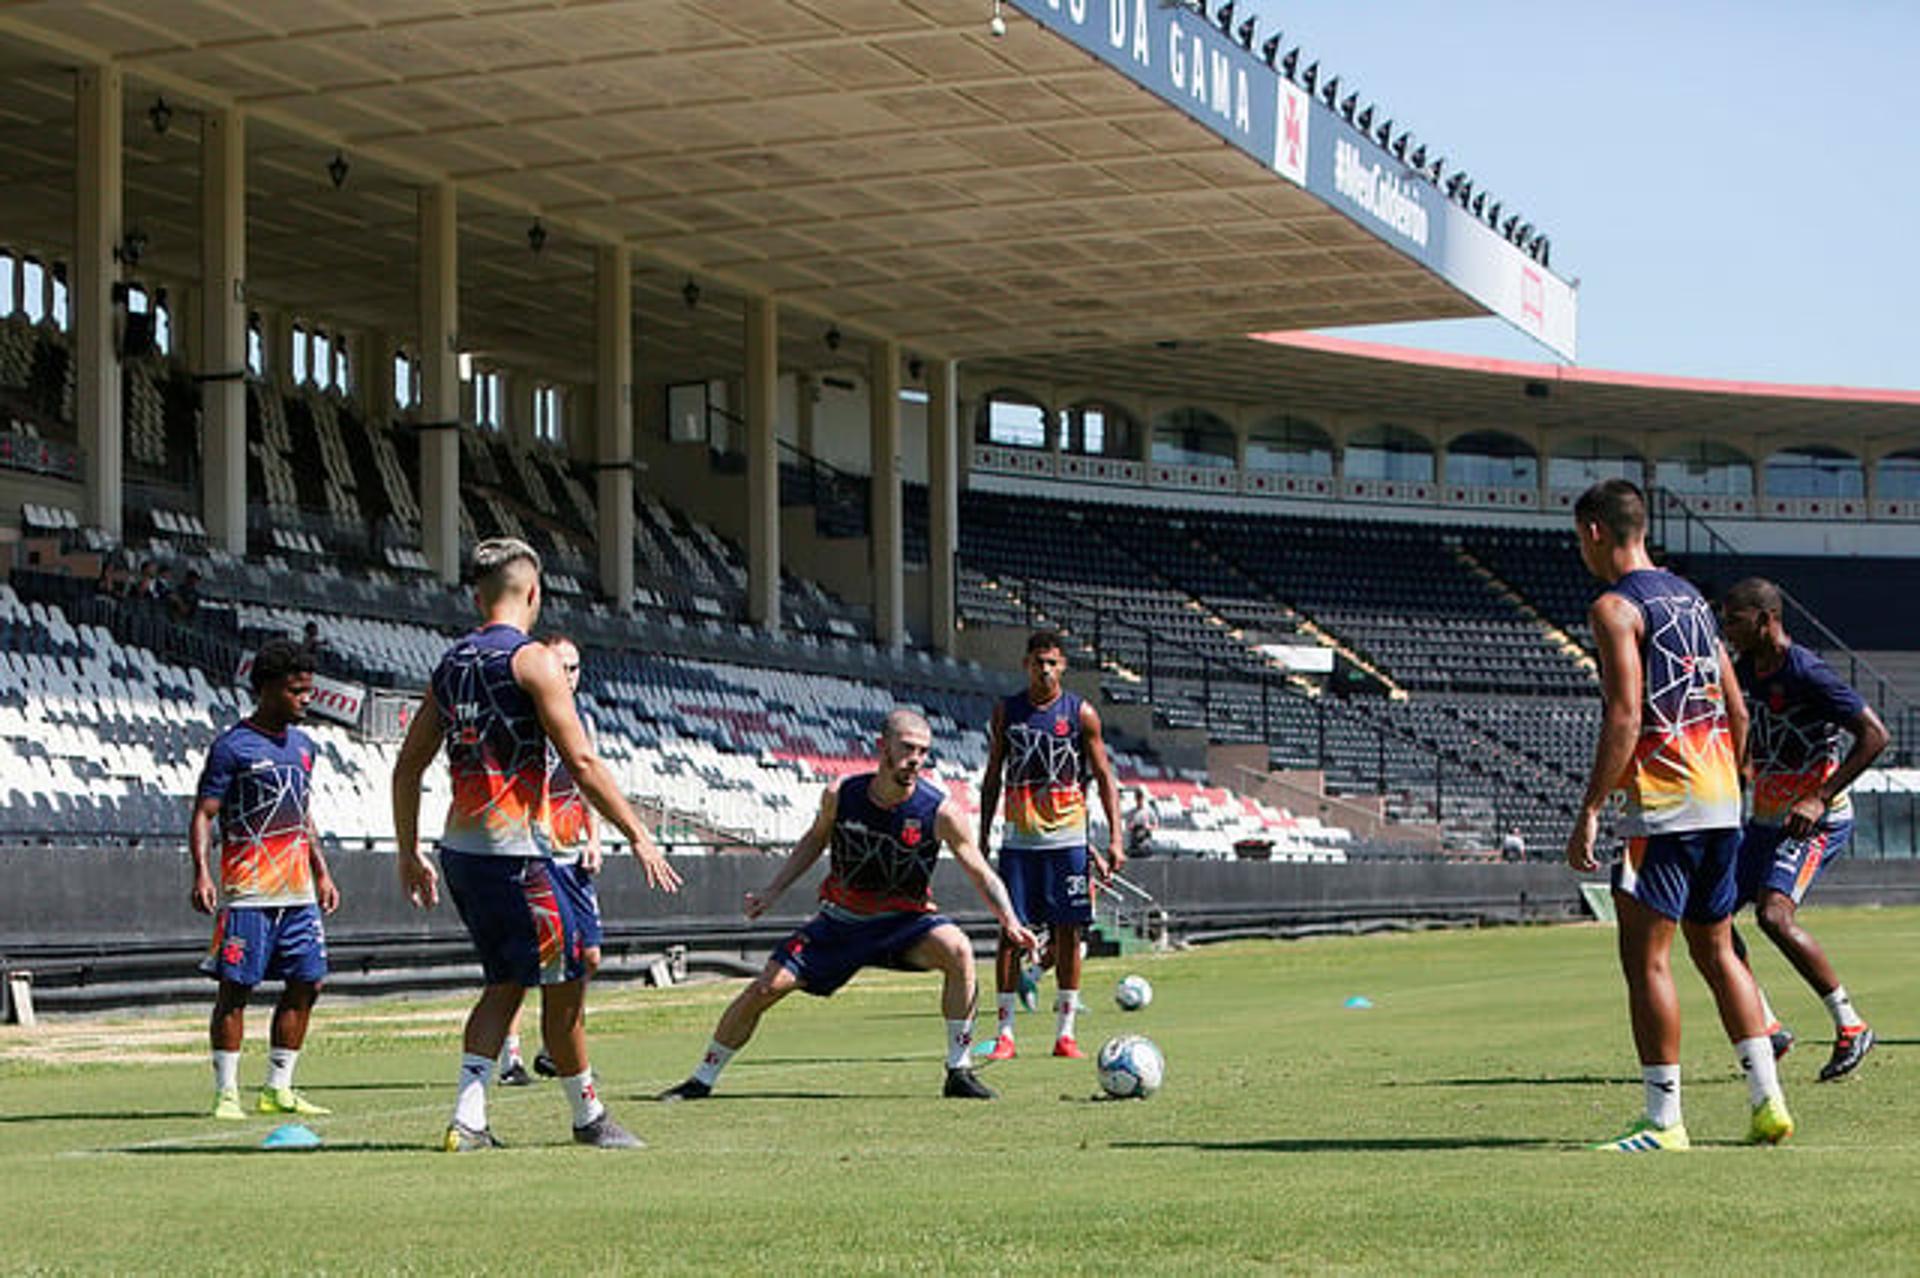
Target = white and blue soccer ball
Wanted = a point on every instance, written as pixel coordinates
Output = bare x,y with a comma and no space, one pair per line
1133,993
1130,1065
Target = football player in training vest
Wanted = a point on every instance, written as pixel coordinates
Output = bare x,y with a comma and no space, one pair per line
1044,745
1801,818
882,832
1671,733
256,785
495,701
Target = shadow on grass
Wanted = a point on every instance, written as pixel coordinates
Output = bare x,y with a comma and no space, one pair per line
755,1062
413,1085
330,1147
1346,1144
106,1115
774,1096
1564,1080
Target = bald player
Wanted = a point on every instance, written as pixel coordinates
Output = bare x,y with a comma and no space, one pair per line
495,702
882,831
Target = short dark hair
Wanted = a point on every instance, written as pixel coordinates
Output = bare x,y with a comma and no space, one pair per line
1617,505
279,659
1754,592
552,637
1046,641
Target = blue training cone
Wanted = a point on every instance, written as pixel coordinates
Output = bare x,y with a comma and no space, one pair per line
1357,1003
291,1136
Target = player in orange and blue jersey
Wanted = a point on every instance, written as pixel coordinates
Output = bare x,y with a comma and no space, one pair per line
1670,740
496,700
1801,818
255,785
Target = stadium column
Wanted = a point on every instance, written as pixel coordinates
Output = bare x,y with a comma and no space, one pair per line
440,379
943,500
613,421
97,404
223,326
763,463
883,504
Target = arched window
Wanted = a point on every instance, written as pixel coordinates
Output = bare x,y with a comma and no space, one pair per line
256,347
1291,445
1194,437
1492,459
548,413
1012,419
1389,452
406,381
1815,470
1582,463
33,290
1706,468
1099,429
297,354
1897,477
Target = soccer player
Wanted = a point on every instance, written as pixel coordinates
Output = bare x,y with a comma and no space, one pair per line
882,832
1801,817
495,701
574,838
1044,743
275,880
1670,738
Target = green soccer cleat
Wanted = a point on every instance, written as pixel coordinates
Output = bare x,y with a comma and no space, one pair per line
1771,1122
284,1100
226,1105
1645,1138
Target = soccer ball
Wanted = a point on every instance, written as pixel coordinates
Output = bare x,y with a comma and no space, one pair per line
1130,1065
1133,993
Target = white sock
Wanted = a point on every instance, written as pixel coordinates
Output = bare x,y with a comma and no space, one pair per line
708,1070
1065,1009
280,1062
226,1071
470,1109
959,1039
1663,1093
1756,1058
1840,1008
510,1053
583,1097
1766,1008
1005,1005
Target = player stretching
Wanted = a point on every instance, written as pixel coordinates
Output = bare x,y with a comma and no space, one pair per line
496,699
1801,818
882,831
574,838
1673,715
276,882
1044,742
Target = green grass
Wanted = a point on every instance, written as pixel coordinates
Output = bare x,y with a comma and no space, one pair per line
1443,1130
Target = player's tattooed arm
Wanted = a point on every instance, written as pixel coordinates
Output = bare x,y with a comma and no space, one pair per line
801,859
953,832
1616,631
206,894
991,780
1102,769
418,879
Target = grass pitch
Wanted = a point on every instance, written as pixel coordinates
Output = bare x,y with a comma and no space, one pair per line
1442,1130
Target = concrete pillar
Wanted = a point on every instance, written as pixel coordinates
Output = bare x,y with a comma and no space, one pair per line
761,394
97,235
806,391
884,536
222,350
376,388
440,379
943,501
613,420
516,392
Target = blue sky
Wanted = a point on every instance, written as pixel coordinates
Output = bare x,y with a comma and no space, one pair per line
1736,186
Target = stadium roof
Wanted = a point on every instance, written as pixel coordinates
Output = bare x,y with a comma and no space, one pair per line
884,165
1386,382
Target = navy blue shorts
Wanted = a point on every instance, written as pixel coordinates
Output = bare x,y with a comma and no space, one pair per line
827,951
521,923
1683,876
576,885
1048,885
1770,859
254,943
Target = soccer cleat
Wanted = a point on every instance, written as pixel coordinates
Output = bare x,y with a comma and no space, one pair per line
1782,1039
1645,1138
461,1139
515,1075
962,1084
543,1065
692,1089
1771,1122
604,1133
1030,988
1065,1046
226,1105
1000,1049
1849,1049
284,1100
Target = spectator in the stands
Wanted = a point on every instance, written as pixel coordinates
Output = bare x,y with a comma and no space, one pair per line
150,584
1141,822
183,603
112,581
1513,847
311,642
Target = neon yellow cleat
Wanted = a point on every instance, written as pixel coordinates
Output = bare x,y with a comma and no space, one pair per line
1771,1123
226,1105
284,1100
1644,1138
